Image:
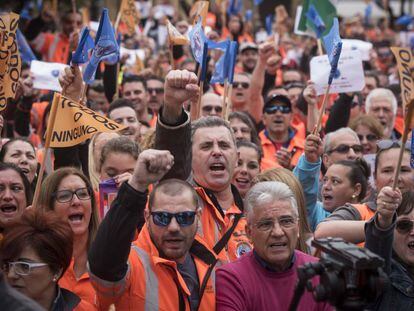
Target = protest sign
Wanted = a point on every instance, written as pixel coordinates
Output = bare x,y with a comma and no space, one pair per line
129,15
10,61
45,75
363,47
351,73
405,62
77,123
199,8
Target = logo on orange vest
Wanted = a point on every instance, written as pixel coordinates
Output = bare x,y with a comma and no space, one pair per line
242,248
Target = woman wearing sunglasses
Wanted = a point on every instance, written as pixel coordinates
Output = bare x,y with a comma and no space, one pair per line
35,253
69,194
369,131
390,234
348,221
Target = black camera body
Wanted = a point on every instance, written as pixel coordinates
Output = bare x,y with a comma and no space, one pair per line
351,277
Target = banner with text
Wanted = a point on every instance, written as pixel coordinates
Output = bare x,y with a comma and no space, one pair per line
405,63
76,123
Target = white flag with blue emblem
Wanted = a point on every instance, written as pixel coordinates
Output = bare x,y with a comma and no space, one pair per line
45,75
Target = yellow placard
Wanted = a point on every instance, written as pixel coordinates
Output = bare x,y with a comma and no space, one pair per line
405,62
199,8
175,37
76,123
129,15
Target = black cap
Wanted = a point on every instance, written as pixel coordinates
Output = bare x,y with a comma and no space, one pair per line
274,99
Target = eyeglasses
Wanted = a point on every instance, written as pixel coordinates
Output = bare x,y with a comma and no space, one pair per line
244,85
286,222
158,90
274,109
404,226
22,267
217,109
345,149
386,144
369,137
65,196
163,219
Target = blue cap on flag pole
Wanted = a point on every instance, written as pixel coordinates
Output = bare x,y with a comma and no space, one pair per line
106,47
81,55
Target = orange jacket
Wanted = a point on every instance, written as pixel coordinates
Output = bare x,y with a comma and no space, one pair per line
214,226
82,287
296,147
366,214
53,47
152,282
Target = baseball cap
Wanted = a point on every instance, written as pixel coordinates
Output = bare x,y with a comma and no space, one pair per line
248,46
276,99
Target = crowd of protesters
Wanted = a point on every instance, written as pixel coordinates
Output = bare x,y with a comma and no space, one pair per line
205,213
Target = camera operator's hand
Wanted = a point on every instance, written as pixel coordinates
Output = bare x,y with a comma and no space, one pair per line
71,82
180,86
388,201
313,148
151,166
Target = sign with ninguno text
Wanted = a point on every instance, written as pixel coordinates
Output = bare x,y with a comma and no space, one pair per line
76,123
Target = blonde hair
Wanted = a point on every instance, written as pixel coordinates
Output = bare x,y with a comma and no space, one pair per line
287,177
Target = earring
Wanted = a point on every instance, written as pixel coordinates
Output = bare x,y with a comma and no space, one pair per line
55,278
354,196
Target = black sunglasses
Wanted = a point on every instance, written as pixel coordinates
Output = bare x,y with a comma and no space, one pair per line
345,149
156,90
274,109
386,144
369,137
210,108
404,226
163,219
244,85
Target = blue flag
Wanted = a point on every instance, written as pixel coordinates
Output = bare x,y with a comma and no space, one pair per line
105,48
221,67
235,7
248,15
333,46
367,14
81,55
25,51
257,2
269,22
315,21
234,47
197,41
405,20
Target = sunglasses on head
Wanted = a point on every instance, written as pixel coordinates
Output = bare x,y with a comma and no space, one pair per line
163,219
369,137
244,85
274,109
386,144
345,149
404,226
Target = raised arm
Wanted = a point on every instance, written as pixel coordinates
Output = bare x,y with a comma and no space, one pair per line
109,252
173,131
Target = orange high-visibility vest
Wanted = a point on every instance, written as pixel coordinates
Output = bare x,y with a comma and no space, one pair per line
152,282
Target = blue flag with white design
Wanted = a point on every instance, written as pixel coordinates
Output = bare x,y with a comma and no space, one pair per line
333,46
197,41
221,68
25,51
81,55
233,49
315,21
106,47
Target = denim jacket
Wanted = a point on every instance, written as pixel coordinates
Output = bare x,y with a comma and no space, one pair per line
398,294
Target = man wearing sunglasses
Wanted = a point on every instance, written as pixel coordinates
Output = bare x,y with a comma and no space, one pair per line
281,143
167,267
155,88
211,105
390,234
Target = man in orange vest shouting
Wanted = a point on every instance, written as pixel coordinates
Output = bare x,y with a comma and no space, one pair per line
166,268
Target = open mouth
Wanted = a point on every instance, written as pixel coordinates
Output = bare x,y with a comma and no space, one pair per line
25,170
128,132
243,181
277,245
411,245
327,198
217,167
8,208
76,218
278,122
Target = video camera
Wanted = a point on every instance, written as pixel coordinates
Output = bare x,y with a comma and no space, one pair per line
351,277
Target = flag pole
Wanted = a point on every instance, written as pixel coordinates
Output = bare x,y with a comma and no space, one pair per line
322,111
172,56
226,91
228,103
320,50
199,99
74,6
84,91
404,139
49,130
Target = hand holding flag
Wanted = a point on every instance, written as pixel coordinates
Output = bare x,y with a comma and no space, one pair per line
106,47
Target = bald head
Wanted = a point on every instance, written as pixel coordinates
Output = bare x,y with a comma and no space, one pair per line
211,105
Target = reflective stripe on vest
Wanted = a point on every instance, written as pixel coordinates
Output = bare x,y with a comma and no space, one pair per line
151,280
